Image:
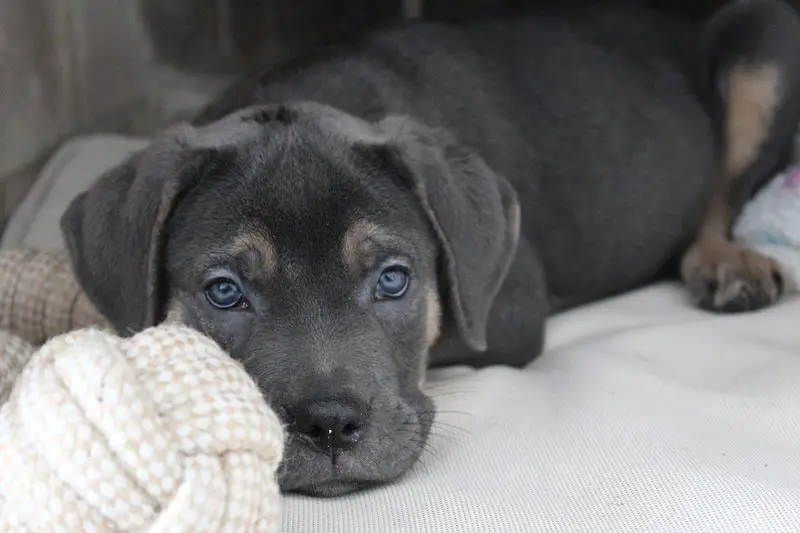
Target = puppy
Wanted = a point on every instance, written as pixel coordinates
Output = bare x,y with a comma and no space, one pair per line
430,194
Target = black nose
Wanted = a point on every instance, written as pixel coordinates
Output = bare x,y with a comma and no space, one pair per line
333,424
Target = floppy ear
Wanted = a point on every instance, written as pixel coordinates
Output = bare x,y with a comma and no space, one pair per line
473,211
114,231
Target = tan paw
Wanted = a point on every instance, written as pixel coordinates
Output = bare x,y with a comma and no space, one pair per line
728,278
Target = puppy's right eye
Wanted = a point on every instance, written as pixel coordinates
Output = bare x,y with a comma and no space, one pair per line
392,283
224,293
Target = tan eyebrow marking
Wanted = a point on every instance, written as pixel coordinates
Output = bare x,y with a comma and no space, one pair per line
260,243
358,232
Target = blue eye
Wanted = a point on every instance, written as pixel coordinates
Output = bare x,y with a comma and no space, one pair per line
224,293
392,283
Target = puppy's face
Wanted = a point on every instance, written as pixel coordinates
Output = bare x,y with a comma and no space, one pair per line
314,248
317,270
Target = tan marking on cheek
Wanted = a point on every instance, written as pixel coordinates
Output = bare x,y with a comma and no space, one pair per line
356,234
423,373
260,244
433,317
176,313
433,324
753,96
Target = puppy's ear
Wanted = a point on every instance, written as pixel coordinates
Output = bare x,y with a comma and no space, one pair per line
473,211
114,232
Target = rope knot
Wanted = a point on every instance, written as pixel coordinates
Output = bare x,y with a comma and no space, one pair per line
158,432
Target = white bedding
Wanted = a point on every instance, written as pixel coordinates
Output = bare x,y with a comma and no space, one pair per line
643,414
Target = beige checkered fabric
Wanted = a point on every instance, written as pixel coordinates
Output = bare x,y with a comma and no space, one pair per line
39,296
15,353
160,432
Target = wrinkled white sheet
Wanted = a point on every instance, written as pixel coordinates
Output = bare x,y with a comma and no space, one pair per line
643,415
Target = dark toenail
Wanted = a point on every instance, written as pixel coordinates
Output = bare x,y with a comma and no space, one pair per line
739,303
707,302
777,278
712,286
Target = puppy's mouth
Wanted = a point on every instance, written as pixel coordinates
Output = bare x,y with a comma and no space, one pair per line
386,452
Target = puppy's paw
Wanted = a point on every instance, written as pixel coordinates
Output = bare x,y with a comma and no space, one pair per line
728,278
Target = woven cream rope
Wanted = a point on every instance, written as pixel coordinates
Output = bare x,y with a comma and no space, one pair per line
160,432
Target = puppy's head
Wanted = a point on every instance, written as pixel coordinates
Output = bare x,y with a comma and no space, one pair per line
322,251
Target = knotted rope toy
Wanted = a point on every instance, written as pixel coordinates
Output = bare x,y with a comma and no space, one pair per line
160,432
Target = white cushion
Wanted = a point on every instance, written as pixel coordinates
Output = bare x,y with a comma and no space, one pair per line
644,414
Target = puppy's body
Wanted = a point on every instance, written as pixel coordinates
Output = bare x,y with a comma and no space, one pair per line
431,194
595,117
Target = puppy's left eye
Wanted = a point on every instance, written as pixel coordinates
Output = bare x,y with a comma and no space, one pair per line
392,283
224,293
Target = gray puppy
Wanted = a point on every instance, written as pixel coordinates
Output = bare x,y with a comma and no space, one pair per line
430,194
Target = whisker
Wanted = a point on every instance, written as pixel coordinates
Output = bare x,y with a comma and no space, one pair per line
440,433
440,424
424,443
438,386
416,453
438,412
427,447
448,393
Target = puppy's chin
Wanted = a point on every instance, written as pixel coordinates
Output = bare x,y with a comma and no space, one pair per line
332,489
311,473
385,454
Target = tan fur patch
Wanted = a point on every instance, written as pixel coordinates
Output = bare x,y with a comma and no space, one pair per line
717,219
433,324
433,317
753,95
354,237
260,244
412,9
176,313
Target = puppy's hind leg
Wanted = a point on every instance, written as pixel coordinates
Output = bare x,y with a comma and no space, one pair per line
754,72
